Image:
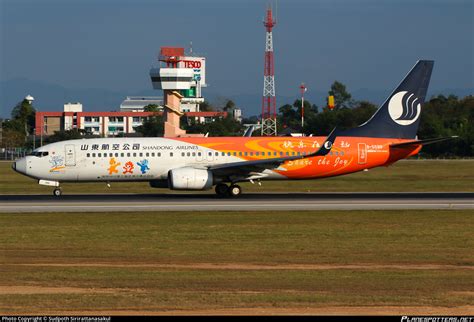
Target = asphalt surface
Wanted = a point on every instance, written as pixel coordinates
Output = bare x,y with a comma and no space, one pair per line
246,202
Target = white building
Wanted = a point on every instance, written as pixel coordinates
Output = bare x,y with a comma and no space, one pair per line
138,103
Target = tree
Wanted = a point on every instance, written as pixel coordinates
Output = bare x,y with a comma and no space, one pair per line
11,138
206,107
23,120
153,125
24,112
66,135
229,105
362,112
448,116
151,108
290,115
342,98
226,126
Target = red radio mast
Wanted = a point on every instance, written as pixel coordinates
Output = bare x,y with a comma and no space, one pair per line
269,122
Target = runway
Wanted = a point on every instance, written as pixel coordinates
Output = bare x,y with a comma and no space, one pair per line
246,202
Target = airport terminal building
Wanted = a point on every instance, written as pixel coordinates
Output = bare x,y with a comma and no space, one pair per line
104,123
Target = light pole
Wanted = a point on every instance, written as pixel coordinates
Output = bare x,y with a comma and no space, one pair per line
303,89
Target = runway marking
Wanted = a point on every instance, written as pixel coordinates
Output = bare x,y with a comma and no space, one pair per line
33,289
401,310
244,266
232,207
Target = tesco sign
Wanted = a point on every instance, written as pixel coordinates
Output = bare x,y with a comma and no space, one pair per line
192,63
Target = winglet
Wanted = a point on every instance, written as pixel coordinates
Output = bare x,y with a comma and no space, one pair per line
327,145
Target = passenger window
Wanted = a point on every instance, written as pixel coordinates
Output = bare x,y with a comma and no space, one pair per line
128,154
141,154
122,154
210,154
159,154
88,155
293,153
147,154
228,154
182,154
93,155
199,154
246,153
217,154
152,154
188,154
235,154
281,153
194,154
134,154
99,155
116,155
269,154
240,153
171,154
223,153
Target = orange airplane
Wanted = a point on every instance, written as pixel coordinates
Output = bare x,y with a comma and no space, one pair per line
222,162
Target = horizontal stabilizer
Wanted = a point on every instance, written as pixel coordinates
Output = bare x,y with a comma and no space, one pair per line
421,142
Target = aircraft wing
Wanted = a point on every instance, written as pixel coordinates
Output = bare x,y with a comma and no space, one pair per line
421,142
256,166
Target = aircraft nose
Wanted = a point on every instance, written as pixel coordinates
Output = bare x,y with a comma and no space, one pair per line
20,165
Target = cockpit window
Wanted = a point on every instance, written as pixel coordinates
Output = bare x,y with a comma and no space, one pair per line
39,154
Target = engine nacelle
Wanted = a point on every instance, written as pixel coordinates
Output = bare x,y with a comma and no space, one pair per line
190,179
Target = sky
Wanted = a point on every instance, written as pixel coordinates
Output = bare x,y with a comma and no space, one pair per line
112,44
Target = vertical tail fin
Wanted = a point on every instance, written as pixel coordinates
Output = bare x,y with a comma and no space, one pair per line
399,115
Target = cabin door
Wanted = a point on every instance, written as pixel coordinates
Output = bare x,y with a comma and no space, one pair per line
362,155
70,153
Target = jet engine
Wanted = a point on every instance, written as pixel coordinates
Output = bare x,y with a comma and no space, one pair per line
188,178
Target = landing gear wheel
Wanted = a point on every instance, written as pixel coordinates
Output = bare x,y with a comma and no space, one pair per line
57,192
222,190
235,190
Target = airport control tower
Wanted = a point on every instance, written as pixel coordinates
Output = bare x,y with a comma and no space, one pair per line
181,79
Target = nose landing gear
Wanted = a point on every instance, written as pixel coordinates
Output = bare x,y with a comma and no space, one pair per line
57,192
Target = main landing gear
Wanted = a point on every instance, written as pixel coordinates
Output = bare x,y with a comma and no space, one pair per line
222,190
